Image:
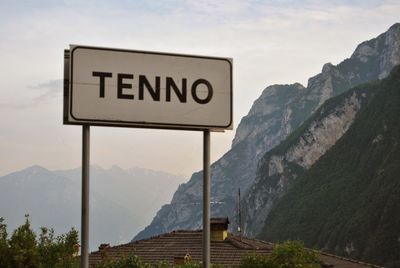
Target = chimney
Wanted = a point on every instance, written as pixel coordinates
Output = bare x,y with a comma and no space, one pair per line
103,250
181,260
219,229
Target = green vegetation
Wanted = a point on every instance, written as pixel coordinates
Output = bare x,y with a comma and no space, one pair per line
290,254
254,260
131,261
24,250
348,202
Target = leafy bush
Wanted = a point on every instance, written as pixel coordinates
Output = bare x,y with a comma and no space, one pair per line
290,254
254,260
23,249
133,261
130,261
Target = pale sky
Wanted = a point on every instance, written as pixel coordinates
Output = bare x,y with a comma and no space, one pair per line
270,42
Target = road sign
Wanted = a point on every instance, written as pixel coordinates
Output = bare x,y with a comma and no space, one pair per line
117,87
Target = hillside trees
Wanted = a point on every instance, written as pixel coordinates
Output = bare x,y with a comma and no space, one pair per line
348,202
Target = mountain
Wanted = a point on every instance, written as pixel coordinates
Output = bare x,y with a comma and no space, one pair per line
282,165
274,115
141,191
120,200
54,201
348,201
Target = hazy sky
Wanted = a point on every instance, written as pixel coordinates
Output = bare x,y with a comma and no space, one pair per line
270,42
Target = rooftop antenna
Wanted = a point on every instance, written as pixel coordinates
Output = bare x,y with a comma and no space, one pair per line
240,216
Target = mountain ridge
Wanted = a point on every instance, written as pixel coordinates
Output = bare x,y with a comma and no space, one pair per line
52,199
274,115
347,203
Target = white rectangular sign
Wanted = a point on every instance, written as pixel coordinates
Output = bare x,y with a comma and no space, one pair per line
116,87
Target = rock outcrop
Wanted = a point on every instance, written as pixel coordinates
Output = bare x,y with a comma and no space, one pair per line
283,164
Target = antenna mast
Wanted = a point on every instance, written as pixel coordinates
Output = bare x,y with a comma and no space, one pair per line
240,215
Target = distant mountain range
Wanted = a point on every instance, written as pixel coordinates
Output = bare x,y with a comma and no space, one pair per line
289,132
121,201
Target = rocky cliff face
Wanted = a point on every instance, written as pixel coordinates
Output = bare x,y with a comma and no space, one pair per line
347,202
383,51
283,164
279,110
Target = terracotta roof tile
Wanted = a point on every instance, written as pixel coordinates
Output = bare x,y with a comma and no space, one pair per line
177,244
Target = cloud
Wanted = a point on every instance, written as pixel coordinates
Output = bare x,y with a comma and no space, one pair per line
47,91
270,41
52,89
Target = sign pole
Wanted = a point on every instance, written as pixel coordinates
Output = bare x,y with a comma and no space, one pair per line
206,198
85,196
94,97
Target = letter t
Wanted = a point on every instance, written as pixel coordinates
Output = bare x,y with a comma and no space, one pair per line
102,76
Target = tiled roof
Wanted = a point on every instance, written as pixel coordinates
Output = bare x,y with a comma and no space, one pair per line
337,261
219,220
177,244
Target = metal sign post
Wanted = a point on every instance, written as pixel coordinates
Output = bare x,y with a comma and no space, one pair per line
128,88
85,196
206,198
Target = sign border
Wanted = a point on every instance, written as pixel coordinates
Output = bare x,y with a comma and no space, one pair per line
68,85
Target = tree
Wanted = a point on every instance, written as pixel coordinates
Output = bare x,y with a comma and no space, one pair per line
4,246
131,261
57,251
23,249
290,254
293,254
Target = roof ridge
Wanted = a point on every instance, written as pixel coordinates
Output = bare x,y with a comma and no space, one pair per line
261,241
236,240
348,259
153,237
162,235
236,243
